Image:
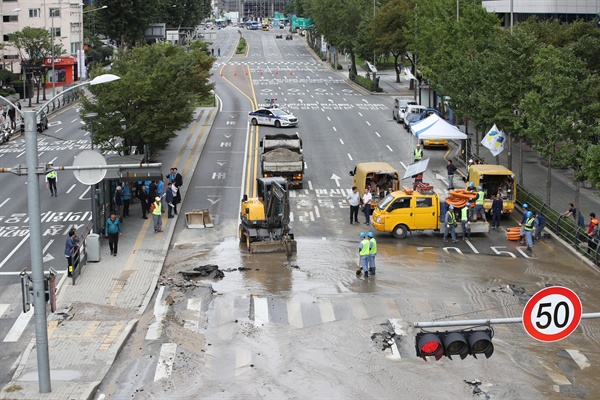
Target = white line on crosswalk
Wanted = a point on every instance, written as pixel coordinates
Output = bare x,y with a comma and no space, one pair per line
326,311
294,314
3,308
160,309
165,361
194,305
19,326
576,355
261,311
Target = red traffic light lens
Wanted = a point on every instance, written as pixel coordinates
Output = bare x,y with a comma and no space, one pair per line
428,344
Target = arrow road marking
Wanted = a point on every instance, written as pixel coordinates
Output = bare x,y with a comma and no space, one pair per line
213,202
336,179
441,178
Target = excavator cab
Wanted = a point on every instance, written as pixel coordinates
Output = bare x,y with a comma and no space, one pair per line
264,220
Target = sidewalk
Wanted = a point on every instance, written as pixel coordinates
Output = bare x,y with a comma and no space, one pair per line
96,316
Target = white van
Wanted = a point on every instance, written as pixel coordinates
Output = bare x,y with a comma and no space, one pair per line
412,109
400,107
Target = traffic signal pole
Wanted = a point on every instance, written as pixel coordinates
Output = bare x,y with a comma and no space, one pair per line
477,322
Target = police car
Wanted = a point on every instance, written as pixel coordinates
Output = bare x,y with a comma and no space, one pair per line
272,115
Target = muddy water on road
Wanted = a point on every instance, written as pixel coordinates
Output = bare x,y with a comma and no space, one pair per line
316,339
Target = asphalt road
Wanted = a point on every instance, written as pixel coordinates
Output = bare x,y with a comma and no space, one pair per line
309,328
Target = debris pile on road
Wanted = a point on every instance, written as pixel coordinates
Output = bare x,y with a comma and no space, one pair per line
384,340
476,383
203,271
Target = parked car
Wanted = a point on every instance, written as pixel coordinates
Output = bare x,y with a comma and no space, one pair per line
400,105
433,142
289,36
272,116
411,119
412,109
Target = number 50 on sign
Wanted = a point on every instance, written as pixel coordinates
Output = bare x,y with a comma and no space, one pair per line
552,314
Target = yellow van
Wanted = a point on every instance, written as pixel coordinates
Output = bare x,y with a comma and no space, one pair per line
380,177
494,179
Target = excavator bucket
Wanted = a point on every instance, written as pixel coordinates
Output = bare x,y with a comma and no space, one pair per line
196,219
287,246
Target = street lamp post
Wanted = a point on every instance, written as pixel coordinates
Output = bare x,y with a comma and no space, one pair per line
81,53
93,189
35,232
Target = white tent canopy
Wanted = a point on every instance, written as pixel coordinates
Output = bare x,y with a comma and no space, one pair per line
434,127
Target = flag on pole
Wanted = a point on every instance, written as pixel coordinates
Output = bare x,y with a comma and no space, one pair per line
408,75
494,141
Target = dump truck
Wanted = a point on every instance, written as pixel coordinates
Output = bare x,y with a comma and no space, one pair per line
281,155
379,177
494,179
408,210
265,219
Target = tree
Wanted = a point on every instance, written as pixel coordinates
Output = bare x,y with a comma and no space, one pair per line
338,21
389,29
33,45
553,106
159,88
126,20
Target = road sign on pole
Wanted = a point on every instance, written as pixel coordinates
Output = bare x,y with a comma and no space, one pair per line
552,314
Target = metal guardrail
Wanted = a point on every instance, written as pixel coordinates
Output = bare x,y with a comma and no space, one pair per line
564,227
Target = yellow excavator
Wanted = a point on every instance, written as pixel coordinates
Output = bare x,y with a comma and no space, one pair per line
265,220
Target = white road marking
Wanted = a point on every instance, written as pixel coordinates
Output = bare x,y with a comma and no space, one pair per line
377,133
196,306
160,310
164,368
472,247
368,123
261,311
243,359
341,141
334,129
48,245
389,148
4,202
358,309
14,250
75,120
58,130
360,114
326,311
350,157
446,250
3,308
576,355
19,326
84,193
294,312
403,165
317,213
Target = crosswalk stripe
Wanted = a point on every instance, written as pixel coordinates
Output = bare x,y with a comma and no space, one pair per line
160,310
3,308
358,309
579,358
243,359
195,306
261,311
165,361
326,311
294,314
19,326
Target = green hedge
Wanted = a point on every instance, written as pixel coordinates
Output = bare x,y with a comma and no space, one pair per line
241,47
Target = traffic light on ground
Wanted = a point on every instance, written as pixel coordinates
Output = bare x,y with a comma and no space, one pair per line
455,343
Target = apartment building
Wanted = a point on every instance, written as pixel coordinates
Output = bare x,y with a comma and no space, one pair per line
63,18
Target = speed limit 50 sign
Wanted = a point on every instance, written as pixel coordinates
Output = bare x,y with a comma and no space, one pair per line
552,314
